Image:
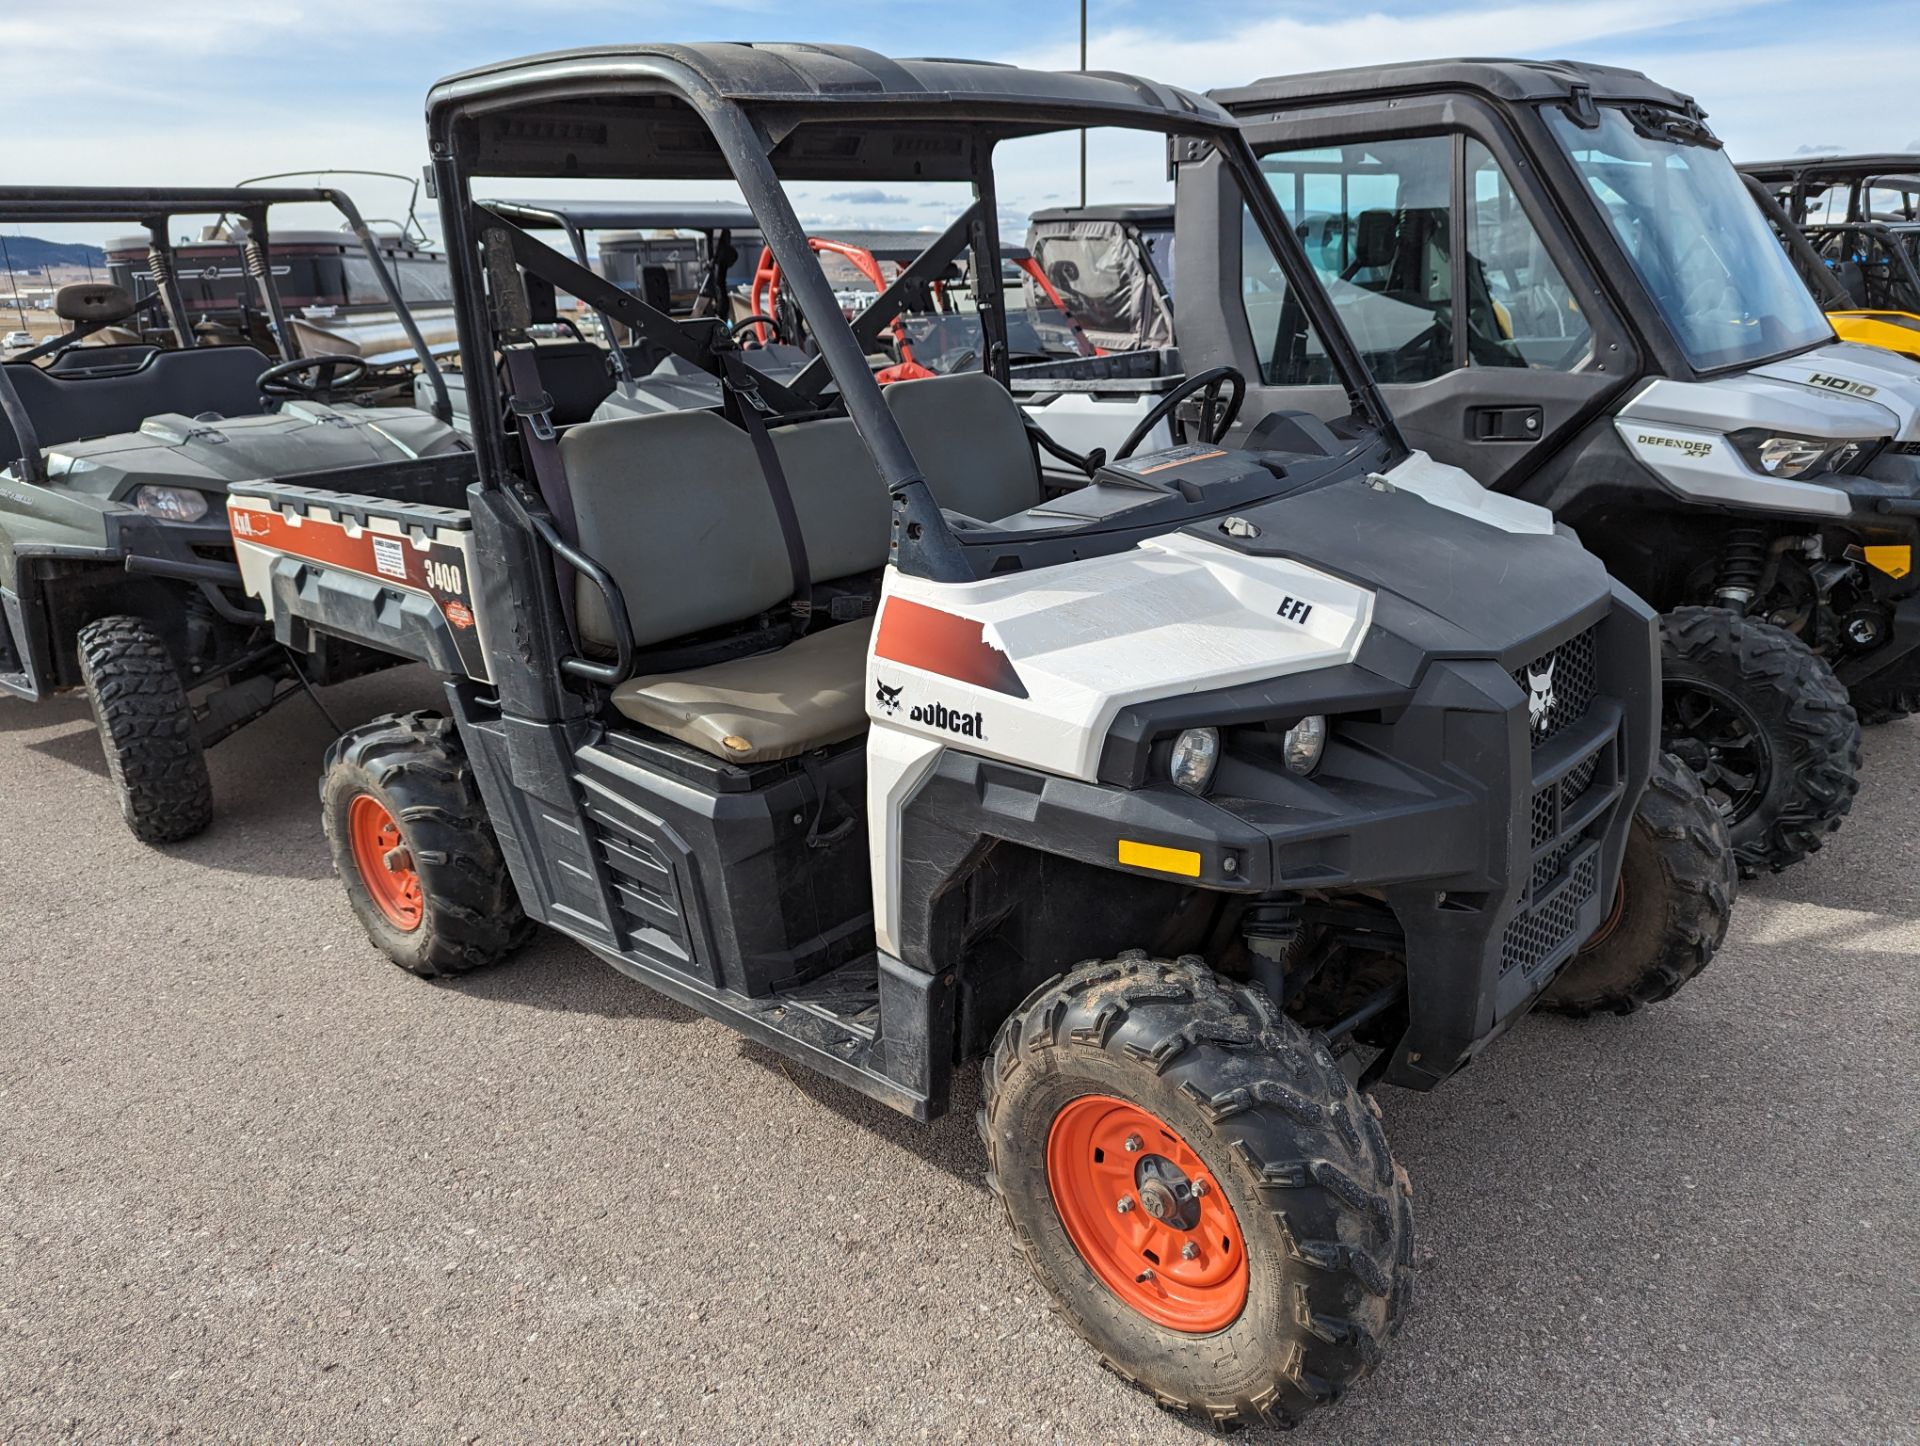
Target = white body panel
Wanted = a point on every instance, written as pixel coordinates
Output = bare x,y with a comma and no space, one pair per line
1678,430
1175,615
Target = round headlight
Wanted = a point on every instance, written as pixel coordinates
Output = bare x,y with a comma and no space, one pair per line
1194,754
171,504
1300,750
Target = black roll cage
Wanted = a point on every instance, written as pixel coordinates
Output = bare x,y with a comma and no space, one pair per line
747,129
153,208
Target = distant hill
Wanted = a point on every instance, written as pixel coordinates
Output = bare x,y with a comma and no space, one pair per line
30,253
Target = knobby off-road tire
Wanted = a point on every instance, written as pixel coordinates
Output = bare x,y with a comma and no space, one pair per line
1281,1138
412,844
154,757
1670,914
1794,721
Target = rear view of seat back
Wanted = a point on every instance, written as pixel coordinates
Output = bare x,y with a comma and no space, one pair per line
223,379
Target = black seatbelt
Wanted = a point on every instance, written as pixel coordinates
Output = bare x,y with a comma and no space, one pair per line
746,401
528,401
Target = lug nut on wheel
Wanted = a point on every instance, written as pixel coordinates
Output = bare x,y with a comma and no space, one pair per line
1133,1144
1189,1251
1126,1204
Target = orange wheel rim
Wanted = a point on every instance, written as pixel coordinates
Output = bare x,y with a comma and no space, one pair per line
385,863
1612,921
1146,1214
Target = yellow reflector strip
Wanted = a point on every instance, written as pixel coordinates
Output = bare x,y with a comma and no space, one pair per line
1893,561
1166,861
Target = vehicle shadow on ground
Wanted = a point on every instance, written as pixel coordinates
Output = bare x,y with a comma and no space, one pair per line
552,973
17,715
952,1142
77,748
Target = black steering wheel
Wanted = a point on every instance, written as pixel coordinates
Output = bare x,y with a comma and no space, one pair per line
772,324
333,372
1215,420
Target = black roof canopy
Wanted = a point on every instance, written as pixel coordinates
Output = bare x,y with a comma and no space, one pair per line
1512,81
1130,214
628,215
1899,169
643,110
144,205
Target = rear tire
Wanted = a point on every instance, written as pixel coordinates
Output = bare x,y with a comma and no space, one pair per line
1294,1164
1766,727
412,844
154,757
1670,914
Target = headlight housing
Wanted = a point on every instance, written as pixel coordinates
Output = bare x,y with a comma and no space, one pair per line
1304,744
1191,763
1799,459
171,504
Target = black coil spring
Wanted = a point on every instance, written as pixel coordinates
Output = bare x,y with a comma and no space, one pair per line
1743,561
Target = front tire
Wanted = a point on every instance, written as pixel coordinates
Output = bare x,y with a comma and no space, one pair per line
412,843
154,758
1265,1259
1765,725
1671,910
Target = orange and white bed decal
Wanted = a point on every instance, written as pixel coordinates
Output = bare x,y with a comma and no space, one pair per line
436,564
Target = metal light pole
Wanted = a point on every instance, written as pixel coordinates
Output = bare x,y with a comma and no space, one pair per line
1083,134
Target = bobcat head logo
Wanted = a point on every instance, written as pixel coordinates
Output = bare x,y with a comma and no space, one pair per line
888,698
1540,699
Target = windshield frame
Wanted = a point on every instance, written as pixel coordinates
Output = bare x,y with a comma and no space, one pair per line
1649,302
754,140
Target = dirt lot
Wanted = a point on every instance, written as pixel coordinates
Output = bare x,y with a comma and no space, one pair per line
256,1183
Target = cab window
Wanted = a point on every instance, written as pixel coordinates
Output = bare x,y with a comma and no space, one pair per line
1375,220
1381,221
1289,347
1521,311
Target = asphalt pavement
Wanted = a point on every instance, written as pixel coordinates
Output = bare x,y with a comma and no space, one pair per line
257,1183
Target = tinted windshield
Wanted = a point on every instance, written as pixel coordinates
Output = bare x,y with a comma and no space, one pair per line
1697,241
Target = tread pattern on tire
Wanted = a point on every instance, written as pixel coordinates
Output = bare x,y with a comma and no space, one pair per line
1823,731
1303,1140
154,757
417,762
1676,819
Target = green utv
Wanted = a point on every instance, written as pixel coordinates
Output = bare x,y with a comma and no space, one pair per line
120,438
1194,796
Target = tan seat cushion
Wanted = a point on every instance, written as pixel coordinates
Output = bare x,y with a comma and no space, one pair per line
773,705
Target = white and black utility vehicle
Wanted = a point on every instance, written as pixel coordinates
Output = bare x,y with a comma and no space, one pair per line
119,439
1563,286
1196,799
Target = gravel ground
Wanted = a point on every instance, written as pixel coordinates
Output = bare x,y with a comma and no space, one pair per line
257,1183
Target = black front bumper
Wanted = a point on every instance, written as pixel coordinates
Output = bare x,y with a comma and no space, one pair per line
1495,844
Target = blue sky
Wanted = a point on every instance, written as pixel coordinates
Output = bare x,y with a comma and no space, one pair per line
210,91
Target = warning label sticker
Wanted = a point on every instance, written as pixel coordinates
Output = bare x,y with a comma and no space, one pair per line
390,557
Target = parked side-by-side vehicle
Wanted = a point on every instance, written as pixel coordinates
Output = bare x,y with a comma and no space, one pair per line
1194,796
116,566
1562,285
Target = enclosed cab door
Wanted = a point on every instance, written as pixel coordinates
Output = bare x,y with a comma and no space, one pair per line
1465,294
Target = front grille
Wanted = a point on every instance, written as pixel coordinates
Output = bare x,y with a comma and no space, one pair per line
1559,685
1560,688
1536,935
